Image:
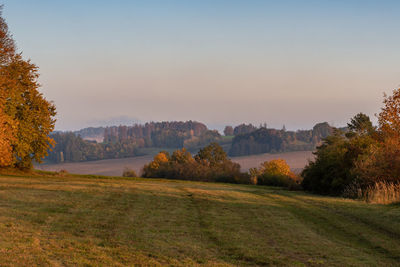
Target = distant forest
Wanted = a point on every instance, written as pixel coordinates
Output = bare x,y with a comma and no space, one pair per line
97,143
263,140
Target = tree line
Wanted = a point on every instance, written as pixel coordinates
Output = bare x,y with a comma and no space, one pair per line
128,141
264,140
156,134
70,147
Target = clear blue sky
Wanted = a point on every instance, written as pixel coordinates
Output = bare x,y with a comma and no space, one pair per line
220,62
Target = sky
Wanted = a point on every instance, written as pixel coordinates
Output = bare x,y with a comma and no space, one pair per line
221,62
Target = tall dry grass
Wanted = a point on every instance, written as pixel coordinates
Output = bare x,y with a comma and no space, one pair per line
378,193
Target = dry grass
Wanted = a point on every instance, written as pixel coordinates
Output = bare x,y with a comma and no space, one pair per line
53,220
378,193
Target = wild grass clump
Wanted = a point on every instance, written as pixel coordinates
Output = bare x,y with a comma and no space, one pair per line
382,192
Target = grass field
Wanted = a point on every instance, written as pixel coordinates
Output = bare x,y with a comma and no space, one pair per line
296,160
84,221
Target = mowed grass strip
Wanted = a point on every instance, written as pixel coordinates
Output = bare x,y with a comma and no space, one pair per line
69,221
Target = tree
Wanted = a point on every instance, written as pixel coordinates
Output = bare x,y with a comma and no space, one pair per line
7,125
382,162
32,112
23,107
361,124
7,129
389,117
276,173
336,165
275,167
7,44
181,156
211,155
228,131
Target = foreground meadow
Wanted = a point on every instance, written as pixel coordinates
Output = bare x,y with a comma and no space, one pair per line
65,221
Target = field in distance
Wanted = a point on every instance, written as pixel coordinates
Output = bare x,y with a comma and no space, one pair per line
88,221
114,167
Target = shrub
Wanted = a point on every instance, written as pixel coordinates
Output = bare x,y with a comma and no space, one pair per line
276,167
275,173
211,164
129,173
274,180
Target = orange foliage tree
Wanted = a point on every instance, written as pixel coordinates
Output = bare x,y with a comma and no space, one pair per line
276,173
7,50
389,117
382,163
6,135
26,117
275,167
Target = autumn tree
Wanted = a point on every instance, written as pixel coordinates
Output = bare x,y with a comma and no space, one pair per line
275,167
211,155
23,108
382,163
7,50
6,135
276,172
7,44
389,117
156,168
228,131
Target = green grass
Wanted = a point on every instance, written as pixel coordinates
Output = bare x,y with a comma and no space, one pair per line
95,221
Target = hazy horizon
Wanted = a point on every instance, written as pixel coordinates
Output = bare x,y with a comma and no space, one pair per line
130,121
216,62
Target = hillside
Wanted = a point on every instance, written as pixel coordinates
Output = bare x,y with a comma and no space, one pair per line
88,221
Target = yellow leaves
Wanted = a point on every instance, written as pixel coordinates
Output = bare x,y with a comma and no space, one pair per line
6,138
31,114
276,167
161,157
26,117
158,160
389,117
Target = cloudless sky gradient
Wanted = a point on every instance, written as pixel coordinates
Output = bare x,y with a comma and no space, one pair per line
219,62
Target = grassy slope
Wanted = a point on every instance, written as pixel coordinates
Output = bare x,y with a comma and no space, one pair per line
97,221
